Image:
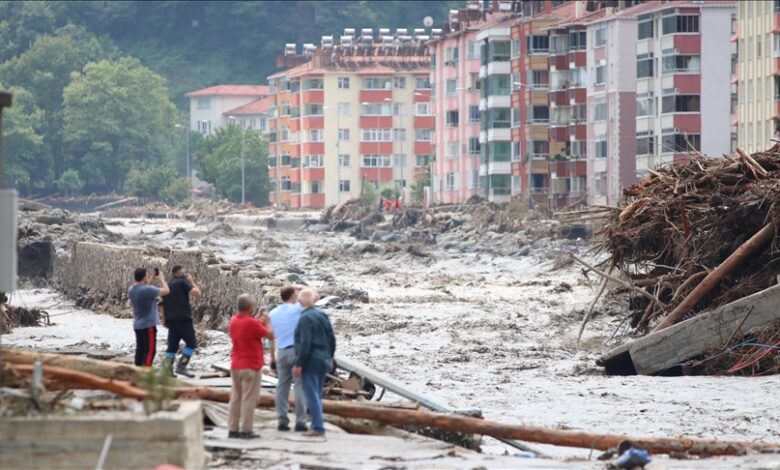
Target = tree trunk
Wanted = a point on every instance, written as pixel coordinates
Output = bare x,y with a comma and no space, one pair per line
104,369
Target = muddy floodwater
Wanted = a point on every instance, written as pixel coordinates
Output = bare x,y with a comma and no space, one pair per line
476,330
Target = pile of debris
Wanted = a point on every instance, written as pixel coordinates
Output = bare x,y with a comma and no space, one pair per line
697,235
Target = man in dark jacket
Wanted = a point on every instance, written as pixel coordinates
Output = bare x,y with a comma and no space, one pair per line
178,319
315,345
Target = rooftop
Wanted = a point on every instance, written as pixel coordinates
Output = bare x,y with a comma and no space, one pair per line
232,90
258,106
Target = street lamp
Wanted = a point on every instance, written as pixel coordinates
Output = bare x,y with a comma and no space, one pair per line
243,178
187,138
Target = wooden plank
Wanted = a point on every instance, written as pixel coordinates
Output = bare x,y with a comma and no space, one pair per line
667,348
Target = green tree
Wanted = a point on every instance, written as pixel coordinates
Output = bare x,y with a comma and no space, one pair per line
220,164
28,166
21,23
45,70
421,181
117,117
70,182
150,182
179,190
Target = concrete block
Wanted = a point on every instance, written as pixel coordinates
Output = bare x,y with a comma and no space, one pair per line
139,441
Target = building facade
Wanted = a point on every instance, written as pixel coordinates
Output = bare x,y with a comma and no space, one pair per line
352,114
211,107
757,73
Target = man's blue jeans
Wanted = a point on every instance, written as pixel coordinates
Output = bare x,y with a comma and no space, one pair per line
312,389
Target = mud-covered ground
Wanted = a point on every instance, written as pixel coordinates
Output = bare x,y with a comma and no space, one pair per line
475,329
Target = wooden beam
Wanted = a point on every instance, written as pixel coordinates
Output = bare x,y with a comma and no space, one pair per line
658,352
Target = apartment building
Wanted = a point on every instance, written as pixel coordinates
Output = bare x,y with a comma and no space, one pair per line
757,73
353,112
211,108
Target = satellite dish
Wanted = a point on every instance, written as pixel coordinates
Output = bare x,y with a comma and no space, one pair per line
428,21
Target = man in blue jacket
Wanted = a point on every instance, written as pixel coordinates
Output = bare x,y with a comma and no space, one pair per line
315,345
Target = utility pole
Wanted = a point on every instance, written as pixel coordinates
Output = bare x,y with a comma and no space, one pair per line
277,151
8,227
243,181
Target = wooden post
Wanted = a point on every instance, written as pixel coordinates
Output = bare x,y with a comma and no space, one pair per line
757,241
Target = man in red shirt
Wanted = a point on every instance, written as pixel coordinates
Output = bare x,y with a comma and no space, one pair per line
246,361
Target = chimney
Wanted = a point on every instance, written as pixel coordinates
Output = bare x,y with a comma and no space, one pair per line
580,7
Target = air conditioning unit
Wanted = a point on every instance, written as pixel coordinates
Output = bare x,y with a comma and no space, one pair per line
504,6
346,41
453,16
326,42
384,31
419,31
436,33
290,48
401,32
349,32
367,32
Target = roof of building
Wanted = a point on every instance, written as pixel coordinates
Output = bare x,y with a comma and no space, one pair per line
656,5
361,64
232,90
258,106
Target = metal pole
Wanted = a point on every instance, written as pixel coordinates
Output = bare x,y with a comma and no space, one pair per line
278,153
338,155
5,101
189,171
243,179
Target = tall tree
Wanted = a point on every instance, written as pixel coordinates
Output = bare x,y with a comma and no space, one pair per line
44,70
117,116
220,164
28,166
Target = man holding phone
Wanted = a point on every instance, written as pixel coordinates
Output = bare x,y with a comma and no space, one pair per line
143,297
178,318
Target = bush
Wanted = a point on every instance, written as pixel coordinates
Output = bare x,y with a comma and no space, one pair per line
179,190
368,195
70,182
151,182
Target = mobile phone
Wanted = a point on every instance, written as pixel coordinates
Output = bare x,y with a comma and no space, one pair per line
156,271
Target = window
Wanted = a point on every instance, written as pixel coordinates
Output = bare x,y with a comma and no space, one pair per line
474,81
578,77
423,160
286,185
579,113
645,105
399,135
376,109
539,79
452,118
499,51
600,35
599,110
645,27
343,83
577,40
376,161
644,65
776,43
422,109
515,117
343,134
538,44
473,179
601,148
286,160
515,151
472,50
312,161
645,143
271,160
473,113
344,186
677,143
499,118
399,83
680,104
343,109
450,181
204,103
312,84
399,109
672,24
451,56
312,110
515,51
453,149
474,146
376,83
315,135
680,63
601,73
578,148
294,86
423,135
375,135
399,160
422,83
204,126
344,159
315,187
452,87
538,114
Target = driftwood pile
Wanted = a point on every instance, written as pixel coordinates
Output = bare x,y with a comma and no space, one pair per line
697,235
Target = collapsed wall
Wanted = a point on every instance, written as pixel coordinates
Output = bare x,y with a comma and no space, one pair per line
97,277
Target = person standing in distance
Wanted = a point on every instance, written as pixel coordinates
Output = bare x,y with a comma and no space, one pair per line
284,319
143,298
315,345
178,319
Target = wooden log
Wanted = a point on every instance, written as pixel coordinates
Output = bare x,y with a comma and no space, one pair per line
751,162
104,369
614,279
756,242
447,422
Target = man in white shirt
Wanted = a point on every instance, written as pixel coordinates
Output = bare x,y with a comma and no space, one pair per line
283,320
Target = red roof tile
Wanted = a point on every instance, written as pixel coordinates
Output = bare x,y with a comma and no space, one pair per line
232,90
258,106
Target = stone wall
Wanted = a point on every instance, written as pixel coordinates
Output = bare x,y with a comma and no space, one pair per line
97,276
